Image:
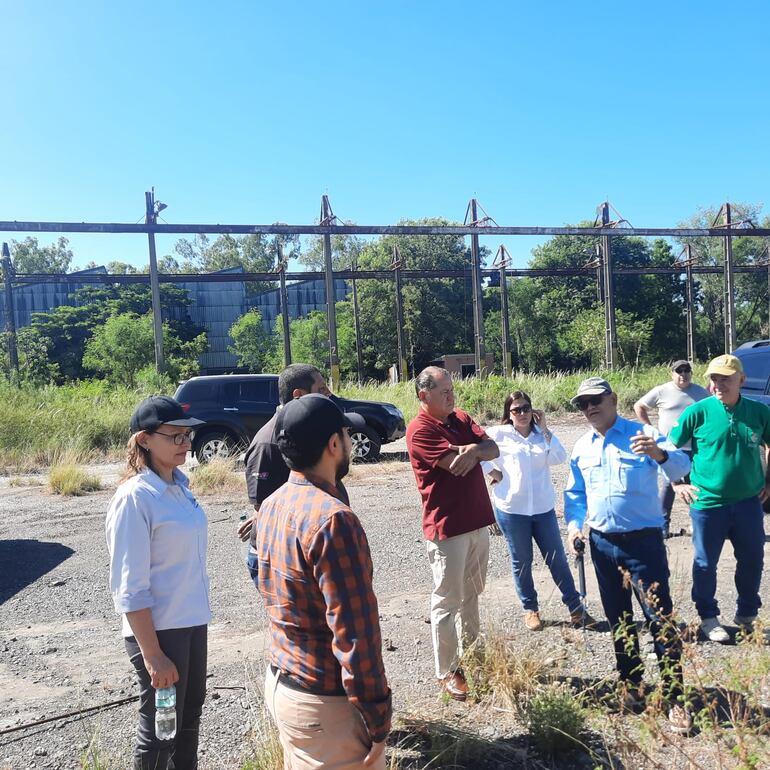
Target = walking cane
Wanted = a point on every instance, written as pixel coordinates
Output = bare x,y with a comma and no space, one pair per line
580,548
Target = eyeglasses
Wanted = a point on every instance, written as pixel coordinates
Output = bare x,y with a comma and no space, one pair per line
583,403
177,438
523,409
683,370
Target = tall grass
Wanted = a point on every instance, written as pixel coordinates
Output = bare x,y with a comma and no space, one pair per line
552,391
91,418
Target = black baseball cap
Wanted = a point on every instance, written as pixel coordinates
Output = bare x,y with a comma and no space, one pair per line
680,362
308,422
160,410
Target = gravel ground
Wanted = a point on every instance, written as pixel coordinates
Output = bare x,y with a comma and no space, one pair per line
60,646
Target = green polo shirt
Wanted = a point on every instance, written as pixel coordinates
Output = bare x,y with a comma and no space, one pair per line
726,464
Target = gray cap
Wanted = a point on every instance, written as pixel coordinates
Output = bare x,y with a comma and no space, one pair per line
680,362
593,386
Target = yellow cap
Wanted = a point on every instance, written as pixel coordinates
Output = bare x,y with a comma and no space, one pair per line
725,365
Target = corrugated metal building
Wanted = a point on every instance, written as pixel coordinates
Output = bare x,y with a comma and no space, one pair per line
215,306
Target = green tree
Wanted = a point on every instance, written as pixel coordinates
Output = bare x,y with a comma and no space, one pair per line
28,256
252,344
345,252
125,344
751,289
67,328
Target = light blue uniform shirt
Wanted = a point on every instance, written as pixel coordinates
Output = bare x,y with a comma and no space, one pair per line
614,489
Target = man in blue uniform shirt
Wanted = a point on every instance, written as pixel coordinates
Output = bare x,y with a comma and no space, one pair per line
613,489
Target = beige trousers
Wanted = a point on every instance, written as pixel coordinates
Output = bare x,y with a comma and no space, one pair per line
459,566
317,731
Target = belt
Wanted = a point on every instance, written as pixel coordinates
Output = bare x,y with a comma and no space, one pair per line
289,681
625,537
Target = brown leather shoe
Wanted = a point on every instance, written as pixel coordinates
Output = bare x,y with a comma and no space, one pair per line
532,620
455,686
581,619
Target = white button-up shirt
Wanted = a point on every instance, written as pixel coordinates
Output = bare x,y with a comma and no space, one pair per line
157,536
526,487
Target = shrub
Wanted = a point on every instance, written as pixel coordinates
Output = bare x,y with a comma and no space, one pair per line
71,479
218,475
555,720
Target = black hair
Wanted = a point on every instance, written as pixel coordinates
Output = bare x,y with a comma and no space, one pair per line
515,396
295,376
302,458
426,379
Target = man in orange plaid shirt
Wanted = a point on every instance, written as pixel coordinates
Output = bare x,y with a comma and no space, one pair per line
326,687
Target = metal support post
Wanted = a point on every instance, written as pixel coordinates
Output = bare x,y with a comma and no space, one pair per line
478,307
151,218
690,306
610,340
730,333
331,312
284,308
10,320
357,328
403,371
505,321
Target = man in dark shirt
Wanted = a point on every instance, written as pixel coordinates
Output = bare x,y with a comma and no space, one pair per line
445,447
266,470
325,684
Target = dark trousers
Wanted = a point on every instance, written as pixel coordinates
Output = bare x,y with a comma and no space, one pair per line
186,648
743,525
642,557
667,496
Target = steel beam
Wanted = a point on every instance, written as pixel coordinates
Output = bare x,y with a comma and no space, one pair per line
10,319
283,229
690,306
331,311
479,348
729,282
285,323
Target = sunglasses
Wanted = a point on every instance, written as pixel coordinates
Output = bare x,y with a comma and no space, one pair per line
583,403
524,409
683,370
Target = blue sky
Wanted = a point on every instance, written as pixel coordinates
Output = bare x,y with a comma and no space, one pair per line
247,112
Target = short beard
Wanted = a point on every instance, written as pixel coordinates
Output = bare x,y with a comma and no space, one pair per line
342,468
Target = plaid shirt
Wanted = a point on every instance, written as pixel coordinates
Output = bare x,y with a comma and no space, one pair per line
315,576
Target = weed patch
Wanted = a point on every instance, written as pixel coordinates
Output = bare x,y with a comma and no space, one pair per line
218,476
72,480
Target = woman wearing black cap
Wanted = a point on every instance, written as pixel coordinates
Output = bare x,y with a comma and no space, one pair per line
157,538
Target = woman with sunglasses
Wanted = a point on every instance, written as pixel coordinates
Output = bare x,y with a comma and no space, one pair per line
157,539
524,497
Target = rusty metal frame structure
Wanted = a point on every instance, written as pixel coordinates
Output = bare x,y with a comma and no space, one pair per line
473,226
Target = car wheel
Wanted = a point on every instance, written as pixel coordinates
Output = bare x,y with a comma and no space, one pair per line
366,445
217,444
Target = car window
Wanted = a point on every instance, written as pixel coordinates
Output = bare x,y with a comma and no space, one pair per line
230,392
757,369
197,391
255,390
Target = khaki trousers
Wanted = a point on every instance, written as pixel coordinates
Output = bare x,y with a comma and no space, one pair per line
459,566
317,731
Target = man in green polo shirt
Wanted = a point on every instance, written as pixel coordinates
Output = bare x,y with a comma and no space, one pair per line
726,491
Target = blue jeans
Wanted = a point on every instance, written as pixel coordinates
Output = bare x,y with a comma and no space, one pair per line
252,564
642,556
742,524
519,532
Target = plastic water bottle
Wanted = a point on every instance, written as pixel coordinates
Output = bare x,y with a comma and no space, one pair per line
165,713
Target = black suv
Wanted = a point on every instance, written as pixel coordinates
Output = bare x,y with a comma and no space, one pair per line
236,406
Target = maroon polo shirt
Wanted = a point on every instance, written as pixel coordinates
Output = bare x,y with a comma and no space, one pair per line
452,505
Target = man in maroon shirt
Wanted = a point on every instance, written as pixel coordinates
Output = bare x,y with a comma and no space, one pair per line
445,446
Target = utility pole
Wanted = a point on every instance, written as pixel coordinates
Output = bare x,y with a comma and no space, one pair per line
610,339
730,338
284,307
690,305
356,327
403,372
503,260
327,217
10,320
151,218
478,307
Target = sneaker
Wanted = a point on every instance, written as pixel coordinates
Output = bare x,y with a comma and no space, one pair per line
745,622
532,620
582,619
712,629
679,720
